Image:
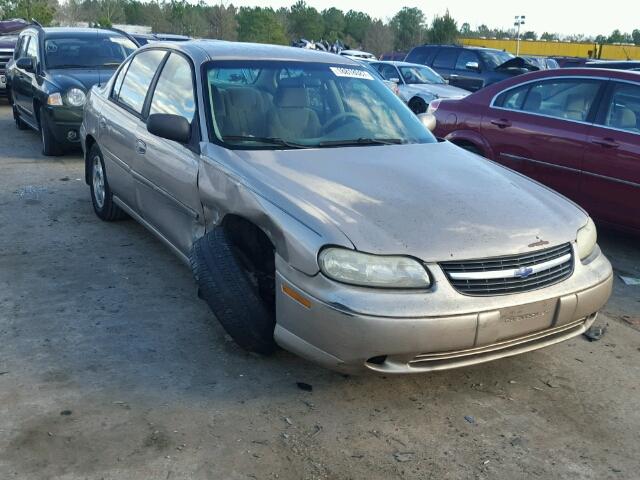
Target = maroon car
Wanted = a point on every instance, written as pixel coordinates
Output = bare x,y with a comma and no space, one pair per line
574,130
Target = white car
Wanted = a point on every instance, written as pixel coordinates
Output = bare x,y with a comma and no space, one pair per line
359,55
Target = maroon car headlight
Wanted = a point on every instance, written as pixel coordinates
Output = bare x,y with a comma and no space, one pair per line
366,270
586,239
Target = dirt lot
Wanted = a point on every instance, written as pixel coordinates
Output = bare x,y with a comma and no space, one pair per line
111,368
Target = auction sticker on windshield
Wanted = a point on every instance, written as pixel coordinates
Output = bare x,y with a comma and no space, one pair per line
351,73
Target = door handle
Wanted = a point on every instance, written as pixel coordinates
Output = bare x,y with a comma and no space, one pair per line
606,142
453,75
141,147
501,123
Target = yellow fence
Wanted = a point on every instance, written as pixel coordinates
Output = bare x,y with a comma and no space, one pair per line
560,49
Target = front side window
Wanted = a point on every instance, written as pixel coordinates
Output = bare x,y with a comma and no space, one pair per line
32,48
21,48
87,51
420,75
494,58
138,79
303,104
466,56
565,98
623,111
174,91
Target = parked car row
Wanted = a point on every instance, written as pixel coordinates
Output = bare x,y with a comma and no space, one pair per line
314,208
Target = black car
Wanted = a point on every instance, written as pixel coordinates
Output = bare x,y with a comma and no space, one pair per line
52,70
470,68
616,65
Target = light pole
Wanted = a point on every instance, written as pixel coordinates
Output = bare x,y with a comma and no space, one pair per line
519,21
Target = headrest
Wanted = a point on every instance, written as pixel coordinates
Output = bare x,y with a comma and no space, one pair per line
243,98
576,102
533,102
292,97
624,117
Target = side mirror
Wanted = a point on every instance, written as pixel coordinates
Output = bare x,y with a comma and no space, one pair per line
171,127
394,80
472,66
428,120
26,63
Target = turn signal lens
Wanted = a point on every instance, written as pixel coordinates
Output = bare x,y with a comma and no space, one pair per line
54,99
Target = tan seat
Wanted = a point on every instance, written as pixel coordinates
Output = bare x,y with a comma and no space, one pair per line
624,118
245,112
576,107
292,118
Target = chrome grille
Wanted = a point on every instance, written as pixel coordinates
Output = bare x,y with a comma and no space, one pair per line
511,274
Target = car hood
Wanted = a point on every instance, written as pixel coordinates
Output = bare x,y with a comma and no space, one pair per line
440,91
517,63
79,78
432,201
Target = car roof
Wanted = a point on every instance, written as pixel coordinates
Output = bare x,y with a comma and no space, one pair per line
469,47
61,32
398,63
204,50
579,72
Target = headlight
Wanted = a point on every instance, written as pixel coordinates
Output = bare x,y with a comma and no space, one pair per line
76,97
357,268
54,99
586,239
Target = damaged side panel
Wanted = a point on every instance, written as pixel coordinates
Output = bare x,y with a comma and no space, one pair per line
222,193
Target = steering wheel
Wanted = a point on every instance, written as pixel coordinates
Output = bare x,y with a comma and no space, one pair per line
340,117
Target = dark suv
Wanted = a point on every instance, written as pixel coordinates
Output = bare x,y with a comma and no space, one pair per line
52,70
470,68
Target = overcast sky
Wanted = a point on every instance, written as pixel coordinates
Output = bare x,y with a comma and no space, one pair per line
556,16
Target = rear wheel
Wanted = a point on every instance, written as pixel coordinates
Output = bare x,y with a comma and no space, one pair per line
417,105
101,196
50,146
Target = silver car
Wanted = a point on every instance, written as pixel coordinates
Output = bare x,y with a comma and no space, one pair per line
317,213
418,85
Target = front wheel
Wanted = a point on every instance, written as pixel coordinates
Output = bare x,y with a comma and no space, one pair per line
20,125
101,196
418,105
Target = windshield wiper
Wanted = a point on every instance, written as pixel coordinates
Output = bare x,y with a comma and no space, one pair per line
362,141
270,140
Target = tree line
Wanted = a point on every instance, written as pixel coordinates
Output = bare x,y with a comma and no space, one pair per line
407,28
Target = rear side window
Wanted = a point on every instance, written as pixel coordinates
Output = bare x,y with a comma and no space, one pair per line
623,111
569,99
446,58
174,91
32,49
422,55
138,79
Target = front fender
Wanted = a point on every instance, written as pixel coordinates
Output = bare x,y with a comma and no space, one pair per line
223,192
474,138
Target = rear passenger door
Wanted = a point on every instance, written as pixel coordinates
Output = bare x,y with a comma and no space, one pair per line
120,118
610,182
166,172
445,64
467,73
540,129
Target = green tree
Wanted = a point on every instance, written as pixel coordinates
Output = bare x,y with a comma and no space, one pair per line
260,25
356,25
379,38
334,24
529,35
223,24
465,30
305,21
42,11
444,30
635,35
616,37
549,36
408,27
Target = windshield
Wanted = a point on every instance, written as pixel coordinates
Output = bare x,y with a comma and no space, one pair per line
420,75
494,58
87,51
280,104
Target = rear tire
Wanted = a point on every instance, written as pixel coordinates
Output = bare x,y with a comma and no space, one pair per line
417,105
234,299
101,196
471,148
50,146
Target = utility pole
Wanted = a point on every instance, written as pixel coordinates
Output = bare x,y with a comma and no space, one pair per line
519,21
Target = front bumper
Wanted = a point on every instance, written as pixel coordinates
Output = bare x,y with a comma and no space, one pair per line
352,329
64,123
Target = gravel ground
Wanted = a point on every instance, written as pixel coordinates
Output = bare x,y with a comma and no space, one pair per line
111,368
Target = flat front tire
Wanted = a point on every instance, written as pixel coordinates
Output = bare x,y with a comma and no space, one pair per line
101,196
227,287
